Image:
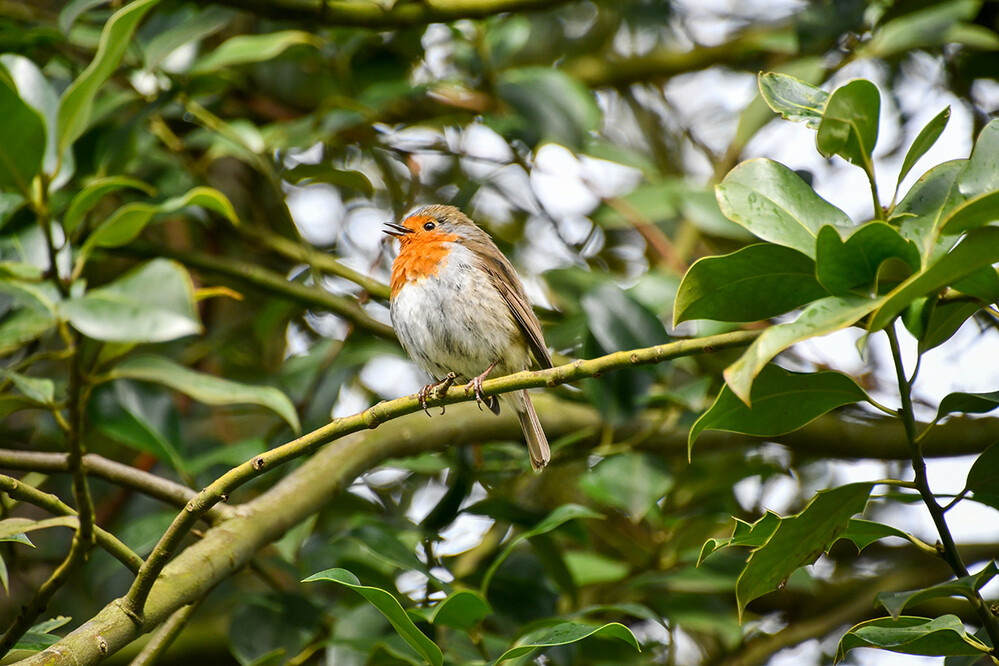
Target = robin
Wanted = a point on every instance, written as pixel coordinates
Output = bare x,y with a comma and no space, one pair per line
460,312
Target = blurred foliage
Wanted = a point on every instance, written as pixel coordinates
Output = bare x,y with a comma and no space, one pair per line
192,273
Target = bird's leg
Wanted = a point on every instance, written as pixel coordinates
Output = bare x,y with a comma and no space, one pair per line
435,388
476,385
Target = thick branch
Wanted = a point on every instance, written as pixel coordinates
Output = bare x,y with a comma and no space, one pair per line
228,547
386,411
350,13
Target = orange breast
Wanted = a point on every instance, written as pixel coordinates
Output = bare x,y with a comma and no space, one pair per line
419,259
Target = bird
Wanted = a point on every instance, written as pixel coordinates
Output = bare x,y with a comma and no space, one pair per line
460,312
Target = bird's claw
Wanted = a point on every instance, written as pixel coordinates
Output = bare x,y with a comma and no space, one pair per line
436,389
476,386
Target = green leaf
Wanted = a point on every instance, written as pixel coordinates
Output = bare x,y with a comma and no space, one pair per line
632,482
126,223
550,106
821,317
757,282
553,520
77,103
14,529
463,610
246,49
22,141
124,416
926,205
865,532
40,390
72,11
849,126
972,214
195,25
792,98
41,298
96,190
206,388
799,540
983,477
922,143
567,633
855,263
945,318
390,608
981,175
933,25
968,403
153,303
776,205
588,568
37,92
896,602
752,535
782,402
979,248
23,326
321,173
942,636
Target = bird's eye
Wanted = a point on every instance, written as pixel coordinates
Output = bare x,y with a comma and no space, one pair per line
429,226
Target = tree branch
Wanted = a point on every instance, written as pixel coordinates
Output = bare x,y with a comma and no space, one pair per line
117,473
109,542
271,282
372,14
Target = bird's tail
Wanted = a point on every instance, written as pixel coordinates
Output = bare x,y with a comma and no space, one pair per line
537,443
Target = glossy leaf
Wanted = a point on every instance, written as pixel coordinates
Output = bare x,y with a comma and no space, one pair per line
462,610
849,126
979,248
842,266
553,520
37,92
22,141
752,535
757,282
865,532
983,477
127,416
126,223
819,318
972,214
40,390
793,99
968,403
981,175
246,49
896,602
39,637
90,195
568,633
799,540
15,529
922,143
588,568
389,606
205,388
942,636
926,206
945,318
782,402
77,103
776,205
127,311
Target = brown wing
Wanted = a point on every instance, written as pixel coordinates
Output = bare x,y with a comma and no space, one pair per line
505,280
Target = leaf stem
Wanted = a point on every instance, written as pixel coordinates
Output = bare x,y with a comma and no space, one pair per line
947,547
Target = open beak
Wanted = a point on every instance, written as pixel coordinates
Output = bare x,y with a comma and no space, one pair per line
396,230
